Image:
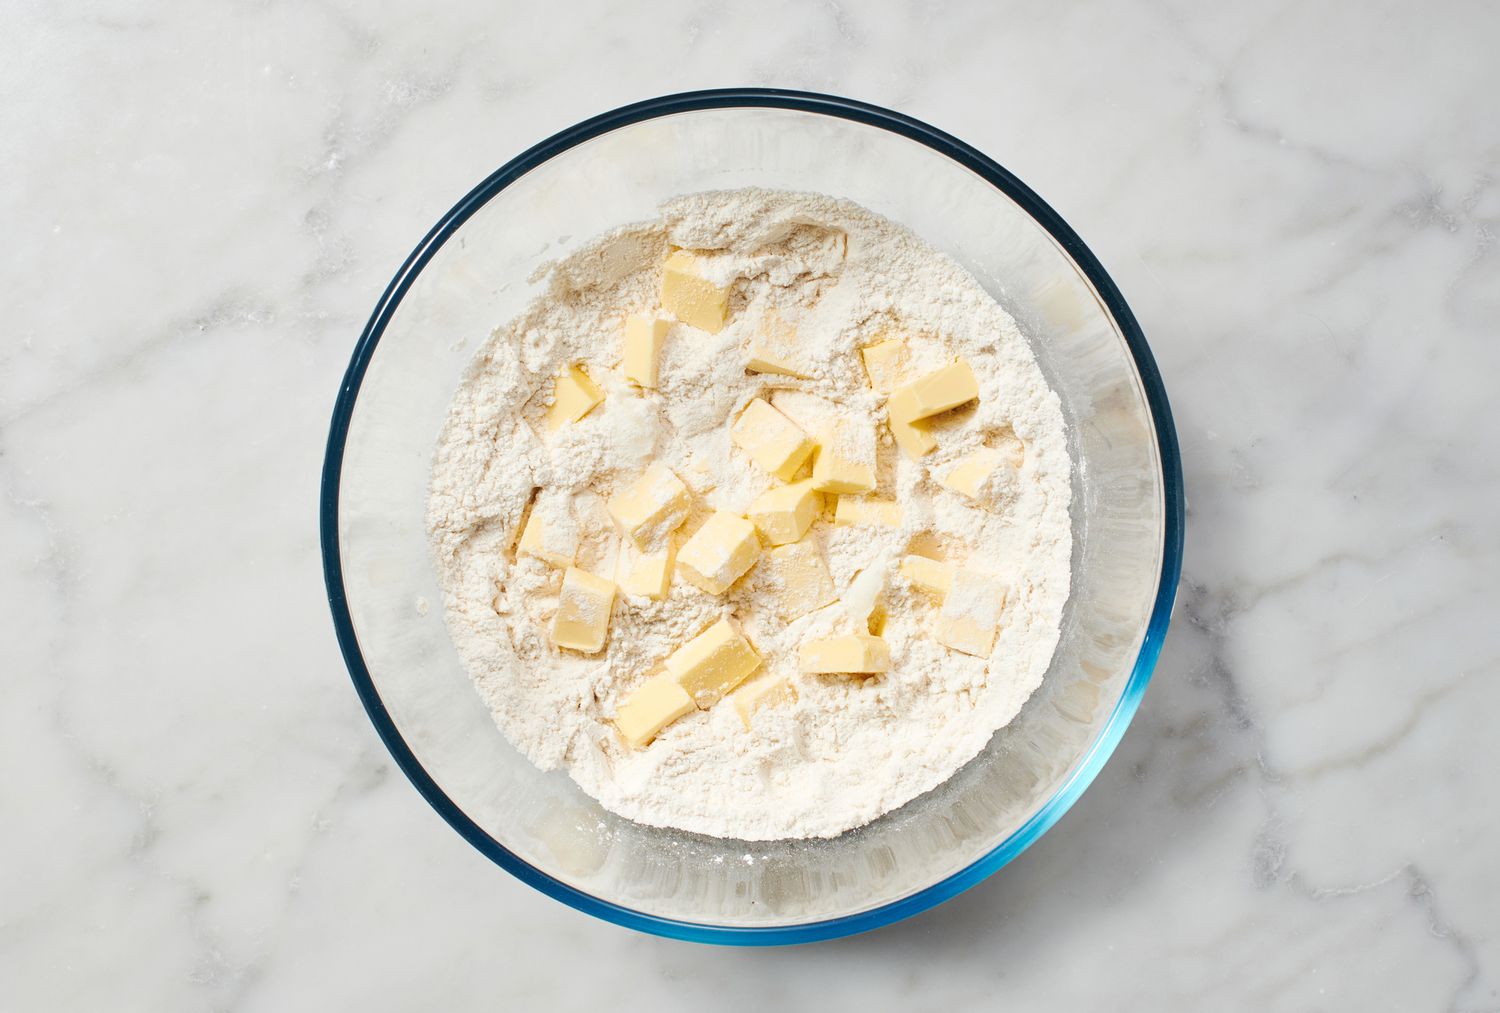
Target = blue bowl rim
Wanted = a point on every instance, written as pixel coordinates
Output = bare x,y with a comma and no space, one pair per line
1156,397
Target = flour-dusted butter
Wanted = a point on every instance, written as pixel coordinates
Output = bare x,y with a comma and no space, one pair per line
774,349
651,507
583,608
644,337
968,476
763,691
689,296
930,575
657,703
772,440
911,434
648,574
867,511
551,533
885,364
719,553
943,390
784,514
855,653
574,395
970,616
713,663
797,579
846,457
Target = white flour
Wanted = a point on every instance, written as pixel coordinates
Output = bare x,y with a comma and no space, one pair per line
848,749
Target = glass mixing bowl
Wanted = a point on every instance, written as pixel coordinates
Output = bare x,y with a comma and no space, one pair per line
471,272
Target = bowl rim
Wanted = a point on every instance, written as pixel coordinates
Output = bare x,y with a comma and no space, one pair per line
1169,459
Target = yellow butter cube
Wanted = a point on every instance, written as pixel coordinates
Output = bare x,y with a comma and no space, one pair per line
656,704
762,691
648,574
719,553
774,349
911,435
968,476
970,615
772,440
551,533
651,507
885,364
930,575
846,458
784,514
583,608
867,511
943,390
856,653
797,578
573,396
713,663
689,296
644,337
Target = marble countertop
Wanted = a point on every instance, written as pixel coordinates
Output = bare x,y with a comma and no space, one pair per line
202,203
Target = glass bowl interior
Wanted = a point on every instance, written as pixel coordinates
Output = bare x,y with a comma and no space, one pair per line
472,273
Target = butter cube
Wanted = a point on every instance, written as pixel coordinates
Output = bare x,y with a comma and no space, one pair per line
648,574
846,458
719,553
772,440
784,514
911,435
944,389
551,533
797,578
573,396
857,653
583,609
689,296
867,511
713,663
970,614
656,704
930,575
885,364
774,350
652,507
968,476
644,337
762,691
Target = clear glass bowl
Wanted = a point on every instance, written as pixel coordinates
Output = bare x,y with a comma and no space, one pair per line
470,273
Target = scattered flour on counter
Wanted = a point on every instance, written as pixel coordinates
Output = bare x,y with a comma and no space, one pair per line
848,749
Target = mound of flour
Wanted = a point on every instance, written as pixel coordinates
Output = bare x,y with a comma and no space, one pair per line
848,749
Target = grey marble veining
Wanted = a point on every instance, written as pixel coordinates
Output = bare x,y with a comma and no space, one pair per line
202,203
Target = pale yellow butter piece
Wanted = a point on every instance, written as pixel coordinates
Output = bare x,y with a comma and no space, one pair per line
651,507
719,553
930,575
797,578
911,435
573,396
885,364
713,663
856,653
689,296
551,534
968,476
657,703
942,390
583,608
774,350
646,573
970,615
868,511
644,337
784,514
846,458
772,440
762,691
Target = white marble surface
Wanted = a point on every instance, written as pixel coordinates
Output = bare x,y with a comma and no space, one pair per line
201,203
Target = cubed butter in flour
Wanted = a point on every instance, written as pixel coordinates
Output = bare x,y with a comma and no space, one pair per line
930,575
783,514
583,608
719,553
775,349
867,511
713,663
658,702
646,573
772,440
970,616
911,434
797,579
689,296
551,534
644,337
967,477
651,507
942,390
846,457
855,653
574,395
763,691
885,364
